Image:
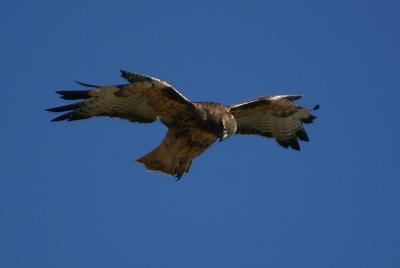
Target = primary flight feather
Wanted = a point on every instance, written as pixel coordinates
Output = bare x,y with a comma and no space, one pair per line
192,126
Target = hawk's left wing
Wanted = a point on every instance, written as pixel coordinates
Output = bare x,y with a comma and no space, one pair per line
274,117
145,99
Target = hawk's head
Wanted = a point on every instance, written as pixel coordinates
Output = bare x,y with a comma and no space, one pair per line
229,126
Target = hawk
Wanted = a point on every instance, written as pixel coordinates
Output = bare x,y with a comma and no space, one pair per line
192,126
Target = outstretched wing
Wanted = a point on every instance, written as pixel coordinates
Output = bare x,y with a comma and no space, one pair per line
274,117
143,100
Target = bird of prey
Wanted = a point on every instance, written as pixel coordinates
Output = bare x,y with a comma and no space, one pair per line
192,126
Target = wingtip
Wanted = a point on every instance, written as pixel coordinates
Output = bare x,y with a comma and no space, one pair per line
294,144
123,73
86,84
296,148
283,143
302,135
75,94
66,116
316,107
65,108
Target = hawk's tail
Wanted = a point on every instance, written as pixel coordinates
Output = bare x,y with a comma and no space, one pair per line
165,161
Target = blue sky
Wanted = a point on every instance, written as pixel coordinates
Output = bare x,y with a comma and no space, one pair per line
71,195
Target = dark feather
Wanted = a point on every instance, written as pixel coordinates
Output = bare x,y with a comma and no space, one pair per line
302,134
133,78
310,119
65,108
283,143
316,107
294,144
74,95
293,97
62,117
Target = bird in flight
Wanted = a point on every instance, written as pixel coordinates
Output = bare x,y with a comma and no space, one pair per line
192,126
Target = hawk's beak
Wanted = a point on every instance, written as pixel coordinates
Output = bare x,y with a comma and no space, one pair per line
223,137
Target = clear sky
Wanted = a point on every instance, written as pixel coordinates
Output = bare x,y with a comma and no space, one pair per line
71,195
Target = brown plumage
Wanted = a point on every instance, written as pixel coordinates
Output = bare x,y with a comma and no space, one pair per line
192,126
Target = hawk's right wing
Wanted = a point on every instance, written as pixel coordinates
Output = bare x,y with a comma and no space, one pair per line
273,117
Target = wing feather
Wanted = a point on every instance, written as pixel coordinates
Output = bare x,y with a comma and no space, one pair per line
273,117
145,99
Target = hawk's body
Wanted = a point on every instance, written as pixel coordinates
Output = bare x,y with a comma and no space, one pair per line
192,126
186,139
